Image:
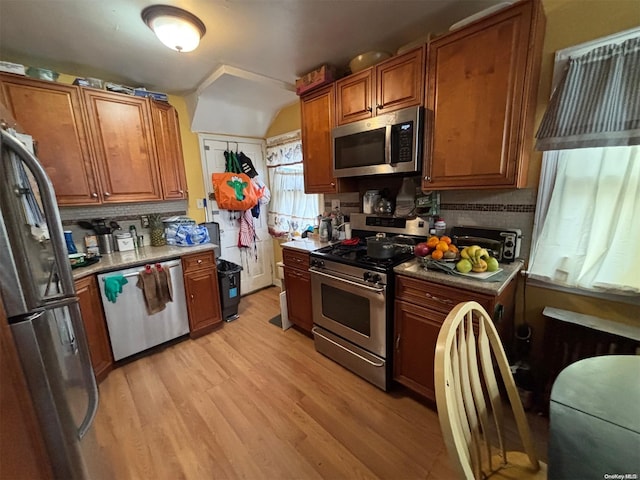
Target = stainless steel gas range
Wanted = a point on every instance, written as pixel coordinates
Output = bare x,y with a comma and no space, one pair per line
353,294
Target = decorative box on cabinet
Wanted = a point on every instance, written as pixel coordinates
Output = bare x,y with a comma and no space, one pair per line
95,326
317,109
481,89
201,289
420,310
53,114
391,85
297,281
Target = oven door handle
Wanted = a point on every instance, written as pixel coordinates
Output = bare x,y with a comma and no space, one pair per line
350,282
315,331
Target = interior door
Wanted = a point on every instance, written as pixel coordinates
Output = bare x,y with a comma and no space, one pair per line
256,261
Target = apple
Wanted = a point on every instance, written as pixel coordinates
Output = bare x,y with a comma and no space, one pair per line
422,249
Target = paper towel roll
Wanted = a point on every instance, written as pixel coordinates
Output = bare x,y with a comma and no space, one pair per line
347,230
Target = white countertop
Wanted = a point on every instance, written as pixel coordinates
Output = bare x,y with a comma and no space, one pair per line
306,244
414,268
141,256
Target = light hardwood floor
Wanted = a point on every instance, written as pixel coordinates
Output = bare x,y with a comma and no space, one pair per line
252,401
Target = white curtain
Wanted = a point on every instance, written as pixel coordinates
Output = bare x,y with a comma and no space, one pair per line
589,238
291,211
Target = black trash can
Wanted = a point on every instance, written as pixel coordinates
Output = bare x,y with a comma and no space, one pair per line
229,282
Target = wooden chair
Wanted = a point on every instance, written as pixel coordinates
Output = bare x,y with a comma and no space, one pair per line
467,397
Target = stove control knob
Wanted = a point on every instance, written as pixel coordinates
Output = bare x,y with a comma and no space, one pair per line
317,263
375,278
367,276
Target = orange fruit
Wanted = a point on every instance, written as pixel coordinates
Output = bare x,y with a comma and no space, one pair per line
437,254
442,246
432,242
453,248
445,239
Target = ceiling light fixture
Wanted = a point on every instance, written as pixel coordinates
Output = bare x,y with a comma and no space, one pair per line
176,28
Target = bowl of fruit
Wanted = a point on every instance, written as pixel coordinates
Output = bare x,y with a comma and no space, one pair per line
437,249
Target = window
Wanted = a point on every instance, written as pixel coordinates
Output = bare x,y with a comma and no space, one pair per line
587,221
291,211
589,237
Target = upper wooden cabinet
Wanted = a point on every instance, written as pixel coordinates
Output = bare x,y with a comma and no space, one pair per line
169,148
52,114
317,110
391,85
99,147
481,89
124,147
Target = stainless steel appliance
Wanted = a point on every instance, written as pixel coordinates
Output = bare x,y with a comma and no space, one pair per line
131,328
503,242
352,297
388,143
37,292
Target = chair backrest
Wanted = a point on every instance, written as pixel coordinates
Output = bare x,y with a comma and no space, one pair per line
467,351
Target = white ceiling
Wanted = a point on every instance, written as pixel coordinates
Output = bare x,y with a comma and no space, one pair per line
248,60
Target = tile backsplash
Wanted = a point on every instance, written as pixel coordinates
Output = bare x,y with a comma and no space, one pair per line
125,214
483,208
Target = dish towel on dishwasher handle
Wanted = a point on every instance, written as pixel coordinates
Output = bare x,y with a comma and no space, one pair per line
156,288
113,286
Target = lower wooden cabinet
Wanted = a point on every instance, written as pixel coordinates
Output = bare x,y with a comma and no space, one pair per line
201,290
95,326
420,310
297,281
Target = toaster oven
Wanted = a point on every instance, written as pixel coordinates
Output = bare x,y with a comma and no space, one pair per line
503,243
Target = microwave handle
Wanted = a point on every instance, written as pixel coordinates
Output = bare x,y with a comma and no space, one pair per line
387,144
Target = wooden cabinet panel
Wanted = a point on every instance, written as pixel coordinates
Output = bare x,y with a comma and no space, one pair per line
400,81
297,281
416,334
52,114
483,100
295,258
317,110
421,307
203,295
198,261
169,149
298,287
95,326
123,144
391,85
354,95
435,296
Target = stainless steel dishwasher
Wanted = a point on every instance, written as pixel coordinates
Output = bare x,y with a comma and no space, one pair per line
131,328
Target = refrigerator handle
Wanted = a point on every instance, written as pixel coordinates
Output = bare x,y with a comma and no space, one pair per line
87,369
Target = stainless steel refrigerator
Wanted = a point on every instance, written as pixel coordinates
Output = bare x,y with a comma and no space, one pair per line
37,290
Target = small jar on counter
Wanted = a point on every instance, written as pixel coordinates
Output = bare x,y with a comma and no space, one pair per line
440,226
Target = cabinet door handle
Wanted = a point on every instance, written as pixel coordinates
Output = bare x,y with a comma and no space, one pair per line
379,107
94,195
199,262
446,301
398,342
191,297
181,192
427,178
332,184
369,109
107,194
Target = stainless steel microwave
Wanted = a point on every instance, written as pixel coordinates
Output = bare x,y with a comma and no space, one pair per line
388,143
